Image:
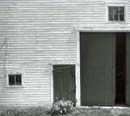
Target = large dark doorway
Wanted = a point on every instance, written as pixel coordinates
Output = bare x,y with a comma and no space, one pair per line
64,82
103,68
120,68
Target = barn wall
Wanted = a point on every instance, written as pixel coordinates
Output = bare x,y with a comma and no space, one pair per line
41,33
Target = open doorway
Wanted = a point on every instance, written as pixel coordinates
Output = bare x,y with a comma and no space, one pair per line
103,68
120,68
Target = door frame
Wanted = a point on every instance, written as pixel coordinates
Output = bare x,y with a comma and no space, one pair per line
88,28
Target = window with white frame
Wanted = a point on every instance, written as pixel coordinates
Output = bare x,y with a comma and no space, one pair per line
116,13
15,79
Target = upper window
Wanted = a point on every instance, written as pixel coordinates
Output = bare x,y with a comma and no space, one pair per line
116,13
15,79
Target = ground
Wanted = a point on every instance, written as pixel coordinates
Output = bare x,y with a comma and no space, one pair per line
101,112
90,111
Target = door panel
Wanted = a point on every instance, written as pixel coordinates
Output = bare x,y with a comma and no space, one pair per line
64,82
97,59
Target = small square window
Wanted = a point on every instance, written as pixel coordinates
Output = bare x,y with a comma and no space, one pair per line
116,13
15,79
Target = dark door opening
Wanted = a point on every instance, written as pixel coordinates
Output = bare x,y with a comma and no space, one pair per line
120,68
64,82
103,68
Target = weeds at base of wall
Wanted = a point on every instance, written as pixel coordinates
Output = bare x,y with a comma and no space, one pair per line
61,107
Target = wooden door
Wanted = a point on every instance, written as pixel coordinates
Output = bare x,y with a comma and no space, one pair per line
64,82
120,68
97,65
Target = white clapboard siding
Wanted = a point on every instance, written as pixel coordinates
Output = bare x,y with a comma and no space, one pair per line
41,33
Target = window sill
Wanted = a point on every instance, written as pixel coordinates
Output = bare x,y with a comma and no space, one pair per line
14,86
116,22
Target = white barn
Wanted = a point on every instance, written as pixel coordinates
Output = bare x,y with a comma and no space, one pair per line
64,49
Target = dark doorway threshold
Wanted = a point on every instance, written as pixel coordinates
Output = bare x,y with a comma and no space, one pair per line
120,69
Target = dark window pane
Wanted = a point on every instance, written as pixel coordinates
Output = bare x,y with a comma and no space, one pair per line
18,80
110,10
110,17
11,79
121,17
115,17
116,10
121,10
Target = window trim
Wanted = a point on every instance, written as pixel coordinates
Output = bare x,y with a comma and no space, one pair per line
113,18
8,85
116,4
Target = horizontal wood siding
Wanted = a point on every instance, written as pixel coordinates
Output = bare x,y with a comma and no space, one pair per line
41,33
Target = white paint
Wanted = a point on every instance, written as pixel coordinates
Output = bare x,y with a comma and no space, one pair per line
78,92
